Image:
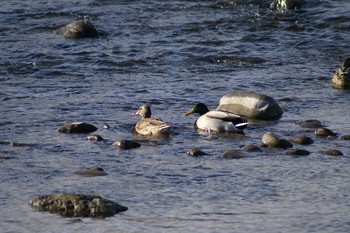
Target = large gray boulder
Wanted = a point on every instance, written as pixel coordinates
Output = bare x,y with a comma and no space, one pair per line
251,105
77,205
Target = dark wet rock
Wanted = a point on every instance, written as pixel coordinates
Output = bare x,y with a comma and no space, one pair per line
324,132
196,152
251,148
331,152
78,29
91,171
77,127
341,78
288,4
310,123
94,137
303,140
251,105
126,144
274,141
234,154
297,152
345,137
77,205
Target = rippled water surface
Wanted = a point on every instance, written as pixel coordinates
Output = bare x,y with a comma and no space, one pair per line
170,55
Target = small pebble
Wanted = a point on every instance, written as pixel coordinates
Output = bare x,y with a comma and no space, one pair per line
331,152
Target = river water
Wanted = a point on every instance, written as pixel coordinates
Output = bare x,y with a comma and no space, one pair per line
171,55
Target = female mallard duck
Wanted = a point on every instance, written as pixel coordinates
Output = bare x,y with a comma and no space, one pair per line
218,121
148,125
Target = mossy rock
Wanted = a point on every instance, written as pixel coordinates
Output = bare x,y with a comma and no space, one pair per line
77,205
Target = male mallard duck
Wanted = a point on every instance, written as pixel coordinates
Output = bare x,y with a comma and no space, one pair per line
218,121
148,125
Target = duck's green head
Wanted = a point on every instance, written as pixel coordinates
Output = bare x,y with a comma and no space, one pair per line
199,108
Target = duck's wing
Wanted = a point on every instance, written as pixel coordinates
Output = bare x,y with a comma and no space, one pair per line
151,126
236,120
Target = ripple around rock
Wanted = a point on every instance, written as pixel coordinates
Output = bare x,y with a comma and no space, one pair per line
77,127
77,205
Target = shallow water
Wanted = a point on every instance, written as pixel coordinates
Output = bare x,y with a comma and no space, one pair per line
172,54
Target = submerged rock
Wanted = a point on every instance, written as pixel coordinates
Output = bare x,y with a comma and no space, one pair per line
251,148
196,152
78,29
91,171
77,127
310,123
234,154
303,140
274,141
341,78
331,152
344,137
251,105
77,205
297,152
126,144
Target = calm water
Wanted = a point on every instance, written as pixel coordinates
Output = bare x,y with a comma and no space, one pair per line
170,55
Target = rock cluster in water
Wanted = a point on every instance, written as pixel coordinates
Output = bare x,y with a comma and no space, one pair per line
78,29
341,78
77,205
